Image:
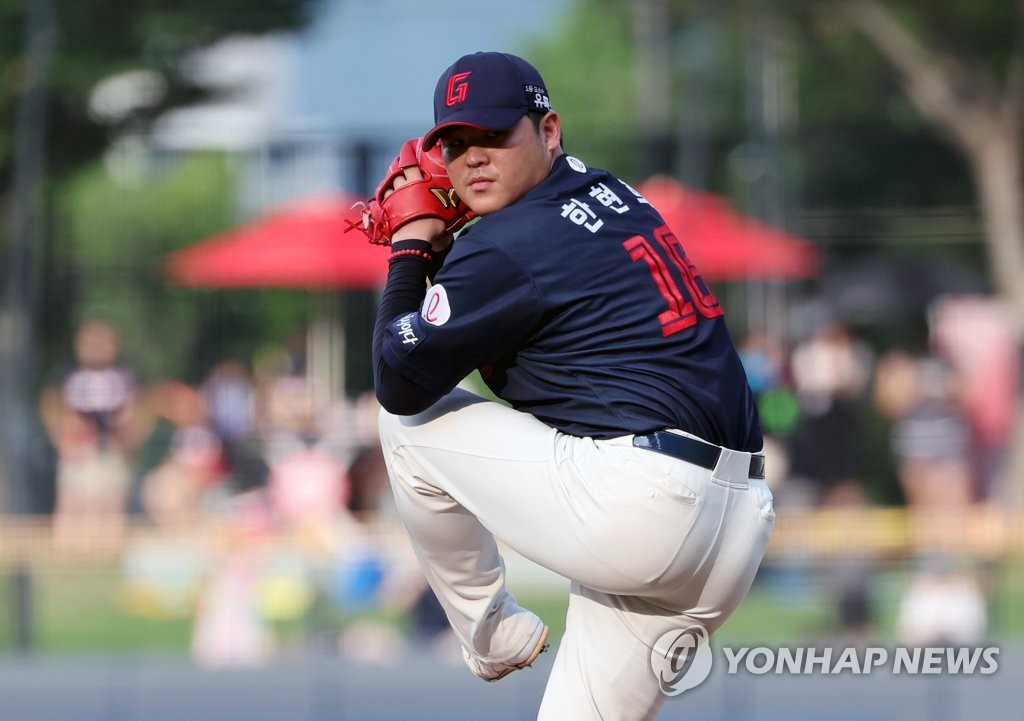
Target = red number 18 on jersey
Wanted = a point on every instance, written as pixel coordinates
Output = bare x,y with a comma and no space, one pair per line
682,313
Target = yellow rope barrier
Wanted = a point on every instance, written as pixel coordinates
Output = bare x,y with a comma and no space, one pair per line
980,531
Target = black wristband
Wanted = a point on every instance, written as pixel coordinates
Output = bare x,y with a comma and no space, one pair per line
412,244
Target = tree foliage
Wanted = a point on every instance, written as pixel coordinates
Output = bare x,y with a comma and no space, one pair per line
587,64
853,139
104,240
97,38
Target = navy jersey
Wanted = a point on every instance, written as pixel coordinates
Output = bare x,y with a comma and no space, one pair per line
580,307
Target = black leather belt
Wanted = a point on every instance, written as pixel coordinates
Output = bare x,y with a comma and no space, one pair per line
692,450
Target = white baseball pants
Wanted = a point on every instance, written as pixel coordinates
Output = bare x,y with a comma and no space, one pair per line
651,543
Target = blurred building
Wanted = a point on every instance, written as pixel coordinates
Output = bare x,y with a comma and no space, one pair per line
327,108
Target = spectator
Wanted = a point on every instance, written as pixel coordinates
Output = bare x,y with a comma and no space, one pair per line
228,393
175,493
230,628
932,441
831,373
307,483
93,420
930,433
230,396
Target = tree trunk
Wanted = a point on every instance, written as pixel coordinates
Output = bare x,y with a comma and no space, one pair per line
996,163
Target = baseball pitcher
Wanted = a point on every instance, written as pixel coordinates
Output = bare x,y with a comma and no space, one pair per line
627,456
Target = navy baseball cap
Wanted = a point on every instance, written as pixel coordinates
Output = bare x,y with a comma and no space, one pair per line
490,91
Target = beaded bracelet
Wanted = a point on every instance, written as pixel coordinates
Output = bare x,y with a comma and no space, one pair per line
422,254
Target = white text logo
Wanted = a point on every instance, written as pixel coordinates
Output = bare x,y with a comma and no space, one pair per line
828,661
681,659
405,329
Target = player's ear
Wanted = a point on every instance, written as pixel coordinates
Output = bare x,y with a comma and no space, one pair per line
551,130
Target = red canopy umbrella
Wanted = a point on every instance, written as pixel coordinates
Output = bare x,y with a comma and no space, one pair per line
300,245
723,244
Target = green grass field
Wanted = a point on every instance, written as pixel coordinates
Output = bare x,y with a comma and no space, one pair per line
79,609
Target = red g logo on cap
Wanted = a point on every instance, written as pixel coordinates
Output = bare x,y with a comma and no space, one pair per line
457,88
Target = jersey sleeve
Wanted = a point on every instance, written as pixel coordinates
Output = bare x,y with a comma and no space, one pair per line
480,308
403,293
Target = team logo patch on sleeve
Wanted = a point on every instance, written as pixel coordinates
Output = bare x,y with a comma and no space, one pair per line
435,309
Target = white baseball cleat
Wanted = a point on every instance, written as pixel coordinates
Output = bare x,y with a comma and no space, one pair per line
493,671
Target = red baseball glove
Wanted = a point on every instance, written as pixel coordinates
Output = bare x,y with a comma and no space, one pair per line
431,197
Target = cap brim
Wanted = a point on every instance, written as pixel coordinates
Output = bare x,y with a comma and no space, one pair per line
480,118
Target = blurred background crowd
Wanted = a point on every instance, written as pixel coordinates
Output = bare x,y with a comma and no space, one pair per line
187,425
